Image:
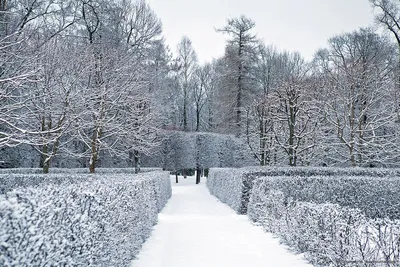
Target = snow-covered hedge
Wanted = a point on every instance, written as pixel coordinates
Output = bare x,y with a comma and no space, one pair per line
13,178
77,170
329,234
226,184
162,187
234,186
101,220
321,171
179,151
9,182
183,150
376,197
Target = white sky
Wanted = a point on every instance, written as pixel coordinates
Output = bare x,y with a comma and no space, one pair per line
294,25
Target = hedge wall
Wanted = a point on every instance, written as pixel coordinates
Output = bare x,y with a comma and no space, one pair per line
97,221
328,234
234,186
227,185
76,170
376,197
336,217
13,178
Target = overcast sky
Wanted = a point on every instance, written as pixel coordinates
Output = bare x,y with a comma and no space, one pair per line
294,25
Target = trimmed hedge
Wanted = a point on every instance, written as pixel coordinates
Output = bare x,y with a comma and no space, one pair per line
183,150
162,188
76,170
9,182
226,185
337,217
234,186
335,221
329,234
376,197
24,177
101,220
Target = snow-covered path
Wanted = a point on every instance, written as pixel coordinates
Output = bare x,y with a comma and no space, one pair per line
195,229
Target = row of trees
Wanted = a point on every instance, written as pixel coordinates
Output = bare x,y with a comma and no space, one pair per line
89,78
342,108
76,76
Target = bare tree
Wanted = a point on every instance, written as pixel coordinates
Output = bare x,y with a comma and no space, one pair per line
142,26
114,112
389,18
357,71
25,28
295,118
203,86
187,64
56,88
259,130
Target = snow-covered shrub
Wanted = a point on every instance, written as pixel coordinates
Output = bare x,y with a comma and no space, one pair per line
231,186
227,185
377,197
21,171
249,174
33,177
9,182
76,170
162,188
256,172
180,151
329,234
98,221
183,150
207,149
115,170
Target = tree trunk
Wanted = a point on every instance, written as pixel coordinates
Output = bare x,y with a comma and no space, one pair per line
397,89
352,131
176,177
269,153
46,165
210,119
48,158
44,149
239,90
185,124
352,157
239,107
137,161
94,151
360,144
43,155
92,164
198,175
3,19
197,119
131,159
292,123
262,139
184,173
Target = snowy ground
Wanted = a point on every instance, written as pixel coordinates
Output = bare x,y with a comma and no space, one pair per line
195,229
